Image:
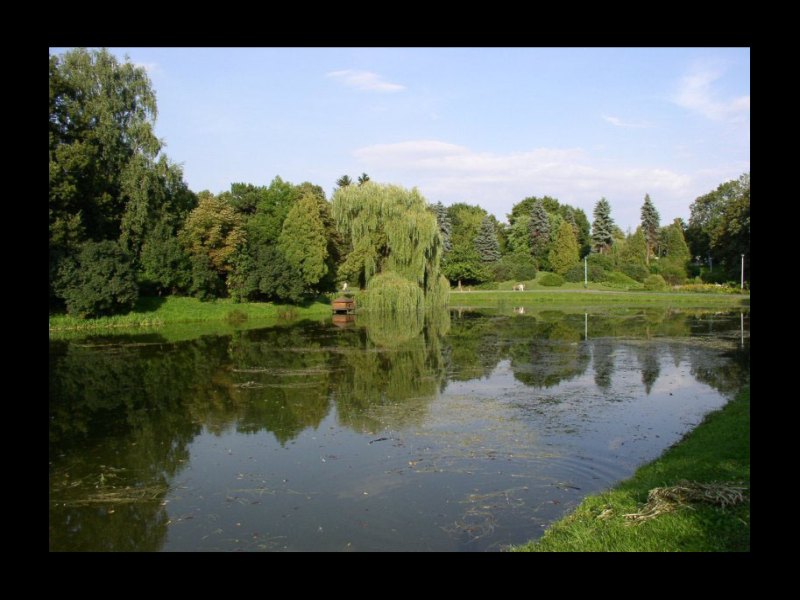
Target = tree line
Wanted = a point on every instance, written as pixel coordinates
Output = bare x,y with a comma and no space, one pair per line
123,222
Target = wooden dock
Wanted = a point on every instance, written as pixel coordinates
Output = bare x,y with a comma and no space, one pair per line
344,306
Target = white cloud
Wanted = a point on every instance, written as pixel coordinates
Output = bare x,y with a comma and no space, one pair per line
451,173
696,93
365,80
620,123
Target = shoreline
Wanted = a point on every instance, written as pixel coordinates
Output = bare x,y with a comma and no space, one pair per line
156,312
716,451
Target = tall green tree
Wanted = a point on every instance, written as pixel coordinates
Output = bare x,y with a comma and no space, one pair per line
107,180
675,247
363,178
634,250
211,236
584,235
525,206
98,280
650,226
445,227
164,264
304,243
719,226
280,258
276,200
463,265
263,273
602,226
519,238
245,197
466,221
564,251
539,230
486,243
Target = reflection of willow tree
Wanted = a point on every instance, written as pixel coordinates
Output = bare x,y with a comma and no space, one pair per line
279,380
391,379
552,352
117,425
603,362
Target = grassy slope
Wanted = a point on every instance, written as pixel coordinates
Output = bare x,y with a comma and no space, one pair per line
173,309
717,450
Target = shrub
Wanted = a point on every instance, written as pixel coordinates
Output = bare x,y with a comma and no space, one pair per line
603,261
672,273
617,279
634,271
693,270
597,273
708,288
718,275
655,282
514,267
575,274
550,280
100,280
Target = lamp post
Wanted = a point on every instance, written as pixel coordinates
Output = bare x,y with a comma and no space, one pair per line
742,271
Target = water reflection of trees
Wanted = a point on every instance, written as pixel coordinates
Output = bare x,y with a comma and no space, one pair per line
603,362
124,410
117,426
548,347
389,382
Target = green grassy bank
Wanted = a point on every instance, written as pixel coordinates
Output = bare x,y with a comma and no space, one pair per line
717,450
150,312
491,298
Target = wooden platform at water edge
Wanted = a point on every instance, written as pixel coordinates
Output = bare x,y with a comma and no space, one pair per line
344,306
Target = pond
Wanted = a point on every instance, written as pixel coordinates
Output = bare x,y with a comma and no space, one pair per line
468,431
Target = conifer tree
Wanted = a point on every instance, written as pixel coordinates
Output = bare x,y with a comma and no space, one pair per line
539,229
650,226
564,250
602,226
445,226
486,241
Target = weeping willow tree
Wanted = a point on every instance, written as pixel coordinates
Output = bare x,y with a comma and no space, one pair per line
396,247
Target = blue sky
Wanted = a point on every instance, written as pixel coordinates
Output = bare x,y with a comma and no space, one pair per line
485,126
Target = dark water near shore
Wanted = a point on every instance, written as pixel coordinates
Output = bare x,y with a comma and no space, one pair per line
468,432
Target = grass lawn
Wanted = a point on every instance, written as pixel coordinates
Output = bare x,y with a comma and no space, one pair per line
594,297
717,450
156,312
151,311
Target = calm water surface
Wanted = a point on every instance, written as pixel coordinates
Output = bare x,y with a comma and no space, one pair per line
469,432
